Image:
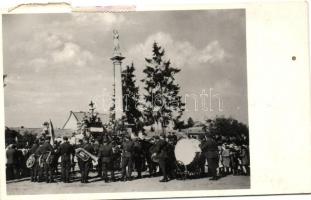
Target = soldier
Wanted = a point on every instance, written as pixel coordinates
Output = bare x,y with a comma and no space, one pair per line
85,165
80,145
66,151
210,149
12,161
171,161
38,163
96,146
34,169
47,152
138,156
162,156
105,156
127,158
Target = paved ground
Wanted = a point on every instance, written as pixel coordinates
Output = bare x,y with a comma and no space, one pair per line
24,186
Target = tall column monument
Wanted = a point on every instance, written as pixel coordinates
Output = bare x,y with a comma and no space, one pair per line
117,68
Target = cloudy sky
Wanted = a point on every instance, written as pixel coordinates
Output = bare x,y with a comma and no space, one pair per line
59,62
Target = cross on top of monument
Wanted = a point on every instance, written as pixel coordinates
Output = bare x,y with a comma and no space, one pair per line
92,108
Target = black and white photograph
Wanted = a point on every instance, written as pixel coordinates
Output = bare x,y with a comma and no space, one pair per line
113,102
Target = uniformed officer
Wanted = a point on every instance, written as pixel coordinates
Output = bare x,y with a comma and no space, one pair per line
171,159
12,160
39,160
105,154
138,156
127,158
85,165
80,145
66,151
34,169
162,155
96,146
210,149
47,152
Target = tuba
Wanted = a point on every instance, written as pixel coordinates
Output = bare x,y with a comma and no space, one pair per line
84,155
45,158
31,161
155,158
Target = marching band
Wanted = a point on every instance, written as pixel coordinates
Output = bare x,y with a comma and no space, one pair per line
123,155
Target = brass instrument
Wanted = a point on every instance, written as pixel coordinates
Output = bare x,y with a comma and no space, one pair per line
31,161
48,159
85,156
154,157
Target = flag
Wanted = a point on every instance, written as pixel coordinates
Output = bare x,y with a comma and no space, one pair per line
51,132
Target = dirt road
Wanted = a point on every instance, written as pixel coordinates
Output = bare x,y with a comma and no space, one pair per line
24,186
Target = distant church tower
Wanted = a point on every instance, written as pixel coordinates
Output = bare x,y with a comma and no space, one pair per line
117,67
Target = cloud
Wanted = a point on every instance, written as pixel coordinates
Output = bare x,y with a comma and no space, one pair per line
181,53
72,53
212,53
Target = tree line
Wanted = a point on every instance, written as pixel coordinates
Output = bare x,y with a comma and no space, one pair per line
160,101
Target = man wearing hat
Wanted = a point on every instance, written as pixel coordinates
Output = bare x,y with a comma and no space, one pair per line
34,169
210,149
85,165
127,158
105,154
80,162
47,152
162,154
12,161
38,163
66,151
138,156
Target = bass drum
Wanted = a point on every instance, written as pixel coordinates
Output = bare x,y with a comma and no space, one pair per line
186,150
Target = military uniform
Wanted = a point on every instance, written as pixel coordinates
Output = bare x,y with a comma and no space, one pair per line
162,155
12,161
210,149
105,154
138,157
34,169
66,150
86,165
38,164
47,149
96,150
127,158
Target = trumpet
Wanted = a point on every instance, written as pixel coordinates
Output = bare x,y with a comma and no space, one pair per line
85,156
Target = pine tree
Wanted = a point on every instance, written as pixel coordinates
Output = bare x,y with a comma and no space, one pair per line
131,98
162,100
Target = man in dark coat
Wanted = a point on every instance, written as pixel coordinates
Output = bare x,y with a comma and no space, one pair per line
12,161
85,165
171,161
148,147
47,152
96,146
34,169
210,149
138,156
38,163
127,158
66,151
162,155
105,154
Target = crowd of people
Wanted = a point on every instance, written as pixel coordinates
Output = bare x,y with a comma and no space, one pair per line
115,158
